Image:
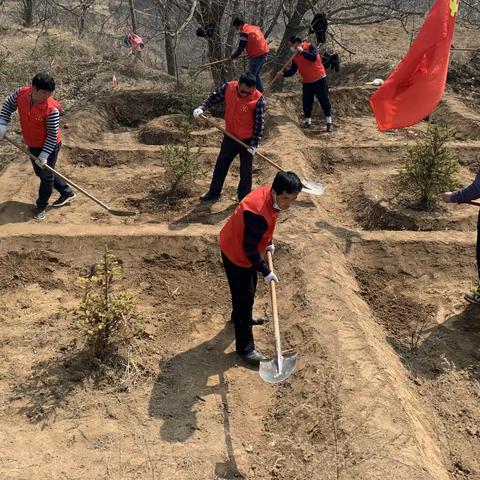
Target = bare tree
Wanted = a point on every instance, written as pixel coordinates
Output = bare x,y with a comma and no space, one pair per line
28,9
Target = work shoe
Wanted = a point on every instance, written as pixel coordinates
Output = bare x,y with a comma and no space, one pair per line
209,197
253,357
39,214
306,124
329,127
64,199
473,296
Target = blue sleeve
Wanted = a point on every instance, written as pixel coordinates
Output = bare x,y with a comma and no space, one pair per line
255,227
291,71
472,192
312,53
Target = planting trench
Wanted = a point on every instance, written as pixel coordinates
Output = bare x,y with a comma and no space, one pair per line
387,383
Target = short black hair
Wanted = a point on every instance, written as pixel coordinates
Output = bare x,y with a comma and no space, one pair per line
286,182
295,39
248,79
238,22
43,81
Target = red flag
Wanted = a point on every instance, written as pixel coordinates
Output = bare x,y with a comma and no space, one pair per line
415,87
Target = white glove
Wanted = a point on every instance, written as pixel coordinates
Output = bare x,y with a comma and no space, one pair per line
299,49
3,131
41,161
251,150
270,248
271,276
197,112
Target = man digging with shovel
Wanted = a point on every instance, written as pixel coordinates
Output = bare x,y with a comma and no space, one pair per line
244,240
245,119
40,122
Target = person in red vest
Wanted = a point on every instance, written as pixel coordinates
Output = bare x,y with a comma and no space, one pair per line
245,119
134,42
39,116
309,65
244,240
252,39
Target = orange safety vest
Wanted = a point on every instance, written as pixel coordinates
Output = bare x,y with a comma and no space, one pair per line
240,111
256,43
33,117
259,202
310,71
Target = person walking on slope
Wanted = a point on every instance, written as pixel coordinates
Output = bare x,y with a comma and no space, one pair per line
252,39
244,240
309,64
467,194
39,116
245,119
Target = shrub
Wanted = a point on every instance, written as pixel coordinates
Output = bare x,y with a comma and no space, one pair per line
183,165
430,168
105,315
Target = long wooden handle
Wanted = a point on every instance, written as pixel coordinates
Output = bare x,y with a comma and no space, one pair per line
276,326
263,157
224,60
34,158
277,76
474,203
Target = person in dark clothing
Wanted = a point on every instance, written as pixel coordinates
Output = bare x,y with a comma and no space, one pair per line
467,194
244,239
252,39
39,116
245,119
309,64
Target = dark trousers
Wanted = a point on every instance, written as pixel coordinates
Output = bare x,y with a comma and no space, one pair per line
255,66
228,151
317,89
48,181
478,244
243,284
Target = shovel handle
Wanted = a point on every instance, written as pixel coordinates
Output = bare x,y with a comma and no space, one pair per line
474,203
276,326
48,167
228,134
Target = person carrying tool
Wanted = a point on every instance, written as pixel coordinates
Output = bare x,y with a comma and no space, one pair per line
39,116
245,119
465,195
251,39
309,64
244,240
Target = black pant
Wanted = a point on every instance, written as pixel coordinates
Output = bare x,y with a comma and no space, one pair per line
48,181
228,151
317,89
243,284
478,244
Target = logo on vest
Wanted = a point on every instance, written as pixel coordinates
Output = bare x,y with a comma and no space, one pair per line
244,108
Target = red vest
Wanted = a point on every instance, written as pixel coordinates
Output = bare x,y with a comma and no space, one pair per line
240,111
256,43
231,236
310,71
33,117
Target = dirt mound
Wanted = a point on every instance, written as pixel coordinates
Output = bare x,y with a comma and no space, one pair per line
169,129
464,77
378,206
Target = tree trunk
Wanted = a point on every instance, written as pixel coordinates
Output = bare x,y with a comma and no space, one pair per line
169,43
133,16
28,7
231,37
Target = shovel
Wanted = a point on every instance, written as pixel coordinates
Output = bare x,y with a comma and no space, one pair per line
282,366
119,213
313,188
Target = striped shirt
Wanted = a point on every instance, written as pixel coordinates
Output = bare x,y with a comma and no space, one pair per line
254,228
53,121
219,96
241,45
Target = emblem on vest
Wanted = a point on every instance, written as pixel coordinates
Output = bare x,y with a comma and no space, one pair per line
244,108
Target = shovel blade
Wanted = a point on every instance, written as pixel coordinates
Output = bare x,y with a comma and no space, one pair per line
121,213
270,372
313,188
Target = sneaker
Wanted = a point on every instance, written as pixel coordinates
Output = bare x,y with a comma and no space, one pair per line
253,358
64,199
306,124
39,214
209,197
329,127
473,296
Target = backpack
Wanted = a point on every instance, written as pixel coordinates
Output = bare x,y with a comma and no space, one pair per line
319,26
331,60
206,32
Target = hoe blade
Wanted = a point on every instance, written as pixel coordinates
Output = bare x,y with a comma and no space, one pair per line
272,372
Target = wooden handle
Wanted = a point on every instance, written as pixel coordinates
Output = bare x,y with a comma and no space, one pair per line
275,78
276,327
263,157
34,158
474,203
